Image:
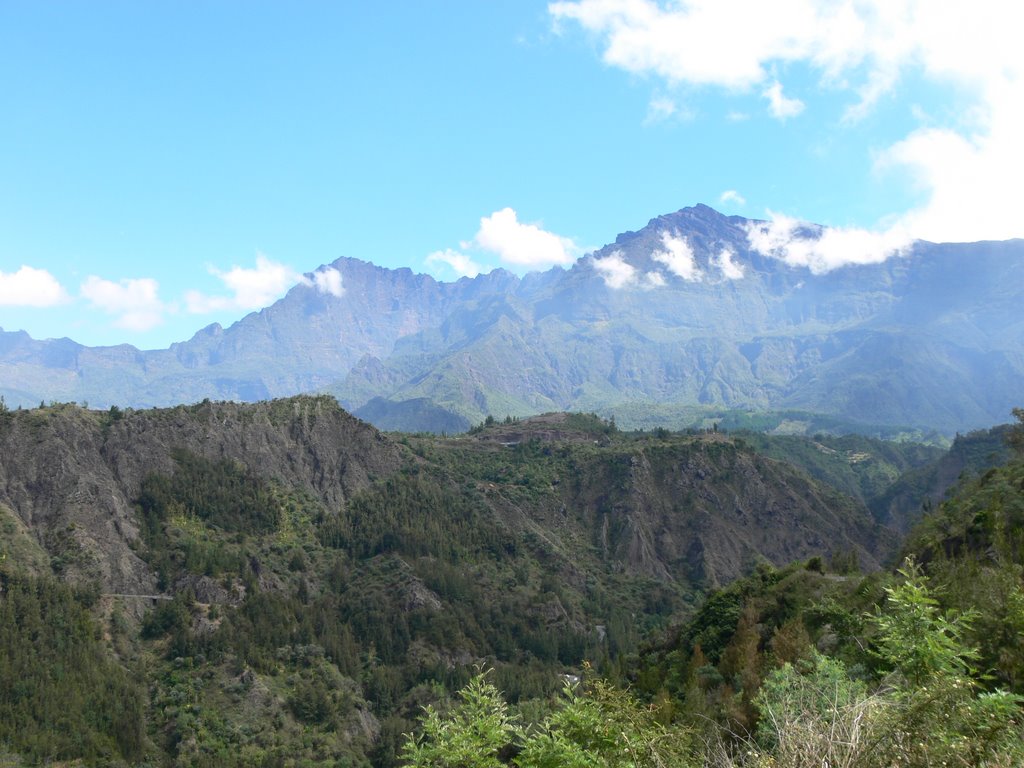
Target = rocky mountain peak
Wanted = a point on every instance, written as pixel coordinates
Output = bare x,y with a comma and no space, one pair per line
692,245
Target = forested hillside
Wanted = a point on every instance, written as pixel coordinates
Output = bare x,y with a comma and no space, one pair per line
280,584
810,665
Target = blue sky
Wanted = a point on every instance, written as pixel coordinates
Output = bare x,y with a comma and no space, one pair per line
165,165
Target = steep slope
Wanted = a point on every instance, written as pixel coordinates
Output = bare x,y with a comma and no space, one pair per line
960,589
698,508
860,467
681,509
299,344
72,476
922,489
712,510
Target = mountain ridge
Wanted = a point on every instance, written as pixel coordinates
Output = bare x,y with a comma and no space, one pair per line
683,311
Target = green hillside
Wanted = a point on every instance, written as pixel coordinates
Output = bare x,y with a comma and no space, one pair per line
279,584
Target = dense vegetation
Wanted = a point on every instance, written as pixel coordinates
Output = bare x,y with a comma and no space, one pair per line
62,696
810,665
303,633
337,626
922,704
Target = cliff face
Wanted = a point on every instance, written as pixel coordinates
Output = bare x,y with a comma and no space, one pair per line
709,510
680,510
923,489
72,476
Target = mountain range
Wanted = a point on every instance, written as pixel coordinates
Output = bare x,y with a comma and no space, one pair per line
682,313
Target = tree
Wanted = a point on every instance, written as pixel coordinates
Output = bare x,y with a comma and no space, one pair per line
594,726
472,735
915,638
598,726
1015,437
937,716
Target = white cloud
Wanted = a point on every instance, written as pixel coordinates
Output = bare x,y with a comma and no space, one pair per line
729,268
135,301
973,180
654,280
878,83
250,288
30,287
660,108
732,196
704,42
328,280
521,244
969,168
458,262
615,271
199,303
779,105
256,288
823,249
678,257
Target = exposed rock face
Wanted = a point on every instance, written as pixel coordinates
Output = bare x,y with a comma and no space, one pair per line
72,475
710,511
697,510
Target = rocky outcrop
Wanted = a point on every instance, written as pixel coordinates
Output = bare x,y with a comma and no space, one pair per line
698,510
710,509
72,475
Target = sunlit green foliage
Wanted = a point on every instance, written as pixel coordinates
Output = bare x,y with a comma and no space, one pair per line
473,735
594,725
936,713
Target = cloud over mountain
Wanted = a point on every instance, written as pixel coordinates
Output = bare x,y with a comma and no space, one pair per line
966,160
677,256
774,321
135,301
822,249
249,288
523,245
30,287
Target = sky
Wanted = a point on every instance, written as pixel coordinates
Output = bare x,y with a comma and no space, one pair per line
166,165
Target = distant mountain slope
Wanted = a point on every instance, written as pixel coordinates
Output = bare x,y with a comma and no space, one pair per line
932,339
298,344
861,467
922,489
681,312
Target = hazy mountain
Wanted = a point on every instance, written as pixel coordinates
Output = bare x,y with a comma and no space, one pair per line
682,312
